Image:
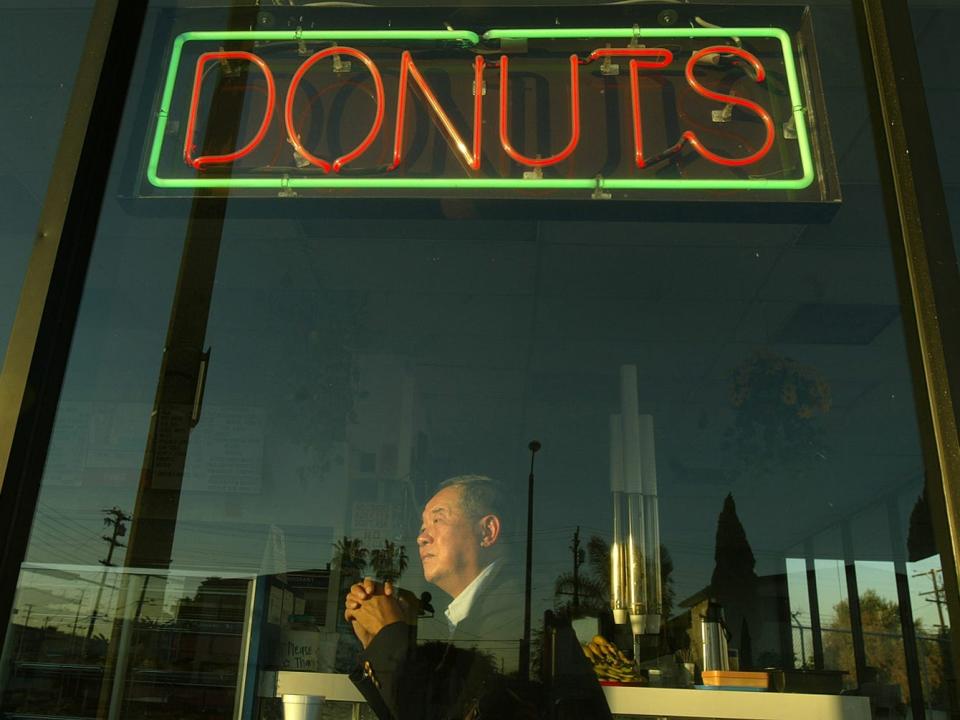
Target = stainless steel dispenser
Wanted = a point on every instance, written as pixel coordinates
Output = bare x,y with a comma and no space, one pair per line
716,654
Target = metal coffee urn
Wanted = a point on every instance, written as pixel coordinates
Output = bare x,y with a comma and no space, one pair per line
714,629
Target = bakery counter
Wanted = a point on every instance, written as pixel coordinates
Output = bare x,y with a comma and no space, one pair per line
627,701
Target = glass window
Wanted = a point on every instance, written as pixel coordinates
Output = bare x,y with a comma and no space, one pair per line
43,43
931,28
266,394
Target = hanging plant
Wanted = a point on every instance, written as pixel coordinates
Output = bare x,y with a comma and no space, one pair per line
778,404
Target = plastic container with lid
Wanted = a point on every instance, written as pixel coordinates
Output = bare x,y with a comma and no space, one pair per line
736,678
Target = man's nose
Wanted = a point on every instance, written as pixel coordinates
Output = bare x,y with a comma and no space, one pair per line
423,538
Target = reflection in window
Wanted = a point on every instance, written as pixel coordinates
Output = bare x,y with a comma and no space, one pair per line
355,364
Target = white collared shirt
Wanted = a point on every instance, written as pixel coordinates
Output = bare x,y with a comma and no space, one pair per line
460,606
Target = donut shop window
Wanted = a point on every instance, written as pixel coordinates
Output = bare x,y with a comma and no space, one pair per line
575,329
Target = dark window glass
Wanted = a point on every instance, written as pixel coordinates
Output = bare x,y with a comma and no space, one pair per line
264,397
40,45
931,29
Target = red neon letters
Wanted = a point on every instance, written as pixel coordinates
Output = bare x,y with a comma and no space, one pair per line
408,69
574,117
691,137
294,136
188,146
664,58
639,59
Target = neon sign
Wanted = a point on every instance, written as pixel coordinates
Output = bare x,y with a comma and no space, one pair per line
600,110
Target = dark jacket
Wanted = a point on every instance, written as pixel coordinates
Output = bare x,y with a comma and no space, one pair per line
495,620
449,680
461,679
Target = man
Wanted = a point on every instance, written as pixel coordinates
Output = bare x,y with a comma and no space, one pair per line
462,553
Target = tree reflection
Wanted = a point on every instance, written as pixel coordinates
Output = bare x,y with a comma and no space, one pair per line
883,641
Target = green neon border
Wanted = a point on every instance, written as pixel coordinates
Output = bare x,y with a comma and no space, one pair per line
469,39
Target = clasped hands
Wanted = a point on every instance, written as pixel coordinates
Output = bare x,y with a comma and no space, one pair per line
371,606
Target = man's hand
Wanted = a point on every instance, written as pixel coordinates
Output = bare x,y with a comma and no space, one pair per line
374,614
402,605
359,593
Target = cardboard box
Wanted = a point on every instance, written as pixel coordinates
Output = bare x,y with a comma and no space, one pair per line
736,678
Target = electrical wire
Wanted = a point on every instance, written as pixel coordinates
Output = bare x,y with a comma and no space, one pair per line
60,533
703,23
47,546
85,534
46,509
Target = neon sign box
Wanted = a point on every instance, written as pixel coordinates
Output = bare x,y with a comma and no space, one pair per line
568,112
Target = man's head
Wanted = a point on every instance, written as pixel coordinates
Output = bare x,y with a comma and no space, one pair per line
460,531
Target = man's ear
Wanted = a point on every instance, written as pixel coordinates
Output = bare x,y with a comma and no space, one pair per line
489,530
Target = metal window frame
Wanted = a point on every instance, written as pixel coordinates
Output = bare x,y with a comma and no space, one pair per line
36,357
926,266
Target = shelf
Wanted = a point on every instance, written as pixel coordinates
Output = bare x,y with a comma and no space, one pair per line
646,701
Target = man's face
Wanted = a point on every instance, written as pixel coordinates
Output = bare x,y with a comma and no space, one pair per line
449,543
